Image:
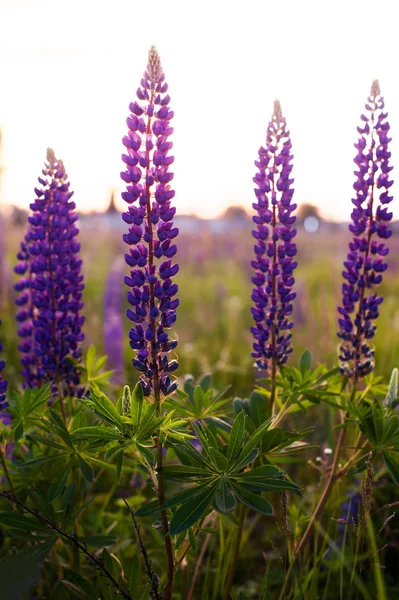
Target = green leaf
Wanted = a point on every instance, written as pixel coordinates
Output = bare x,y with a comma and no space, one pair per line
86,469
259,407
136,406
392,467
191,511
119,464
107,410
236,438
265,471
21,571
18,431
253,500
90,359
250,445
219,459
224,501
79,421
94,432
205,382
58,483
182,472
392,397
21,522
41,460
305,362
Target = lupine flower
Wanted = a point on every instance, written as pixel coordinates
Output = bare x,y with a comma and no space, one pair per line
3,389
113,324
365,262
274,249
151,232
51,285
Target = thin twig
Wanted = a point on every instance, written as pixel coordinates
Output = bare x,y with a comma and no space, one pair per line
71,538
152,576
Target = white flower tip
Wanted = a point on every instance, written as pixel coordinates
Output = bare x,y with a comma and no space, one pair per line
375,89
154,64
277,112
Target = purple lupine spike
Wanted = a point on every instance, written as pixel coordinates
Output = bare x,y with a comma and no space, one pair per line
366,257
152,295
3,387
51,284
113,323
274,249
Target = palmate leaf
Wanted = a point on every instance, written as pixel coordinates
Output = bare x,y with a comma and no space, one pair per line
192,510
236,438
250,446
96,433
392,467
224,501
177,472
152,508
252,500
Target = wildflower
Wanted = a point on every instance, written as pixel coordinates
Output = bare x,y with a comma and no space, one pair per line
152,293
51,285
113,324
274,249
365,262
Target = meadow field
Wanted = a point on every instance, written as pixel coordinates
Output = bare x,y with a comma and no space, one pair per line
215,287
213,330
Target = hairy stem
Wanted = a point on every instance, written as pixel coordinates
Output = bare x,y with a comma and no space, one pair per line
152,576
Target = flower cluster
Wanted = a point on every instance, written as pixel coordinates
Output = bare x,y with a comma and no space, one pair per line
274,249
51,284
365,262
151,231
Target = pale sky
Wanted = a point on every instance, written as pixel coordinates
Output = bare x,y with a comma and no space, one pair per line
69,69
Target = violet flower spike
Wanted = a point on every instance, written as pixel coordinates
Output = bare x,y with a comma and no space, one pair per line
152,294
365,262
51,285
274,249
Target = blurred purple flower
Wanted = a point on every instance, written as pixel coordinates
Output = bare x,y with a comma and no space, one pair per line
3,389
113,322
274,249
51,284
151,232
366,257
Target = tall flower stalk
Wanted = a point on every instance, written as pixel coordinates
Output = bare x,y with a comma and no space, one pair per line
363,272
365,262
51,285
274,250
151,248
